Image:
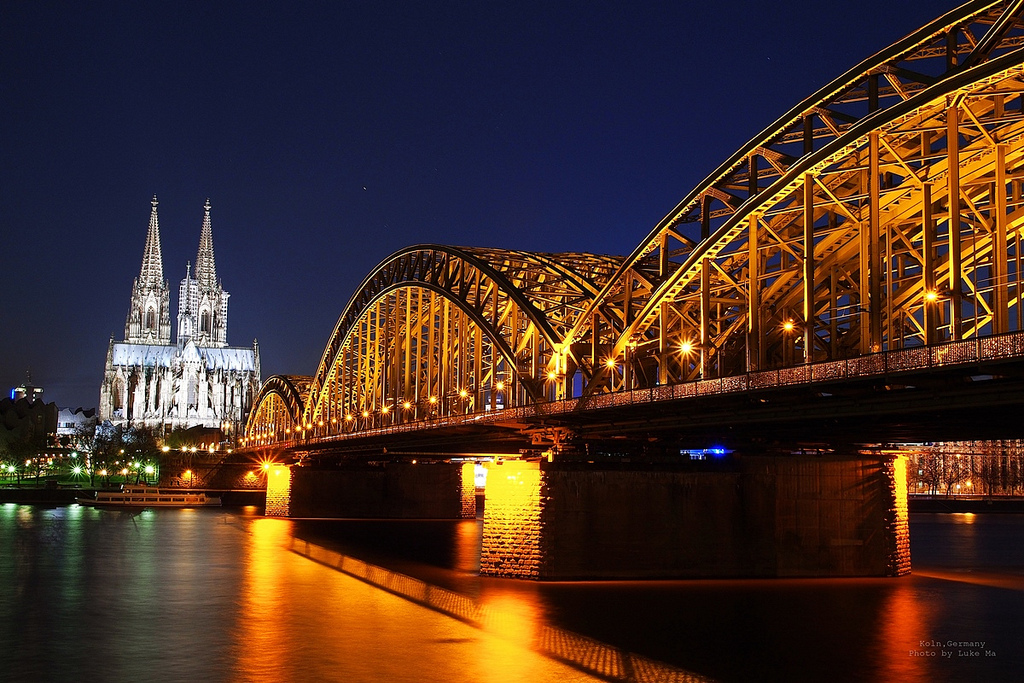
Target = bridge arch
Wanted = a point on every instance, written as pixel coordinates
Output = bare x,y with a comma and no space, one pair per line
436,330
813,241
277,410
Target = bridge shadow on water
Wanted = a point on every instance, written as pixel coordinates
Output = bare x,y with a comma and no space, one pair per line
727,630
457,591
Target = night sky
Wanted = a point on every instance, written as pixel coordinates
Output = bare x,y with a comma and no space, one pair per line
329,135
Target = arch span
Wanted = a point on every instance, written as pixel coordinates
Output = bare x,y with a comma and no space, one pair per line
437,330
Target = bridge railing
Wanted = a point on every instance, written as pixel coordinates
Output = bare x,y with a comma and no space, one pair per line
892,362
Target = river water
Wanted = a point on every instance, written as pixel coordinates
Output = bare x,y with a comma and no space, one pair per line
226,595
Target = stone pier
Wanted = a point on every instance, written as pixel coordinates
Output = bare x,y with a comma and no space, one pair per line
393,490
761,517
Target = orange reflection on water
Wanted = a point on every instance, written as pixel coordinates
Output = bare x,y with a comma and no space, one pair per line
467,546
903,625
262,601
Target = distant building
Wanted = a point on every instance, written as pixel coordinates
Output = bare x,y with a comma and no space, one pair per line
25,420
196,381
27,391
74,422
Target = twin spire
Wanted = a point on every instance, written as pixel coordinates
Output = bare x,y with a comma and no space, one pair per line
152,272
202,304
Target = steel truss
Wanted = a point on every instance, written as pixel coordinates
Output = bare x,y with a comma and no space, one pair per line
883,213
277,410
437,330
830,235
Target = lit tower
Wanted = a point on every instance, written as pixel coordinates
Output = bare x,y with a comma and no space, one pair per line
202,301
149,314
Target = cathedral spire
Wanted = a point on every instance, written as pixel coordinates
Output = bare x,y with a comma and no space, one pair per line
152,272
206,268
149,313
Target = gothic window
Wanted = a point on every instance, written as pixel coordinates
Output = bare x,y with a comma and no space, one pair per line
150,319
117,394
193,393
204,325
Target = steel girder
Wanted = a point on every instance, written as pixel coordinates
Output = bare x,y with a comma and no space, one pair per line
277,411
437,330
813,239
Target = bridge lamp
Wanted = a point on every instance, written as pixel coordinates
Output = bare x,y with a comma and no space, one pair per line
348,417
552,375
931,295
686,347
385,410
287,431
165,449
610,363
788,326
76,470
500,386
320,423
433,399
149,469
366,413
407,405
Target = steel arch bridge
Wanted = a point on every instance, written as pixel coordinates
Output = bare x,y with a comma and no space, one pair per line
881,214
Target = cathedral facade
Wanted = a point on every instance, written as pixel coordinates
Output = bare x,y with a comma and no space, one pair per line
196,380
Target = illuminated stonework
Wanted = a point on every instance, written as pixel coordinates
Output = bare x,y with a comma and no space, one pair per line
468,490
279,491
197,381
511,545
899,518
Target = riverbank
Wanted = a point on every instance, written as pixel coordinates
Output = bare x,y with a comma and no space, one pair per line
965,504
31,495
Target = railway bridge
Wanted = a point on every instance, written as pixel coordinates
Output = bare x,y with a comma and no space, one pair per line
724,400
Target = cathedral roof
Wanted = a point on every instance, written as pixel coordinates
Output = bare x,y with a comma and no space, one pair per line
168,355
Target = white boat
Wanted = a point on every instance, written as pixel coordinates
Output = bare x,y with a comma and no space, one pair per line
150,496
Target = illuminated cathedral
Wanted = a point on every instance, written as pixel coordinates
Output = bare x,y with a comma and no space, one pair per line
198,380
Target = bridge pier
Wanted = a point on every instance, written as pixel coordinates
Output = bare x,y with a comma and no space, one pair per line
393,490
761,517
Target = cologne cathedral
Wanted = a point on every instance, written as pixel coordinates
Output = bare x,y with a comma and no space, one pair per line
198,380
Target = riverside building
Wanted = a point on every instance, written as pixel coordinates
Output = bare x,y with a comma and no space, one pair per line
196,380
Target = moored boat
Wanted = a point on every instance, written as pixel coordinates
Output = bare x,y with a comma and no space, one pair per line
150,496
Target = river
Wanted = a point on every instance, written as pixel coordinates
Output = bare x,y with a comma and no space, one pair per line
226,595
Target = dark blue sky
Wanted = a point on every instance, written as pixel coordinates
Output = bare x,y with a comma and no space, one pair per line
328,135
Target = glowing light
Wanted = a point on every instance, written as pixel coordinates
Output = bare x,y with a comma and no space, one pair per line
463,393
321,423
968,484
788,326
433,399
385,410
931,295
166,449
366,413
348,417
686,346
552,374
103,473
76,469
610,363
407,405
500,386
149,469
